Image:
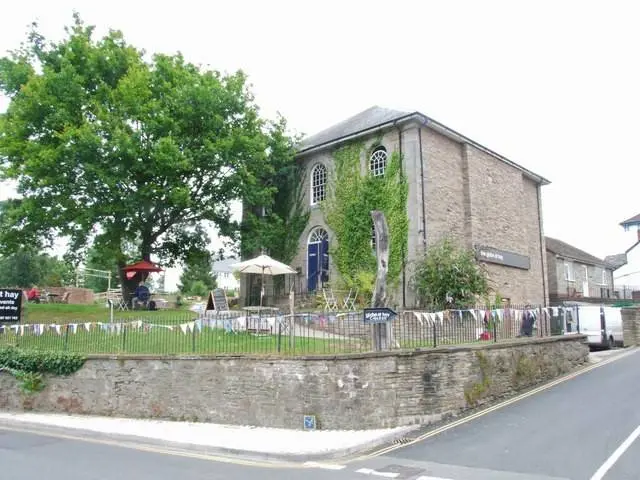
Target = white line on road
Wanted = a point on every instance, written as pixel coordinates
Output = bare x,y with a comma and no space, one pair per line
368,471
431,478
326,466
616,455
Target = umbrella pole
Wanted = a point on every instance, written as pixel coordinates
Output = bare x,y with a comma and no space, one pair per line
262,288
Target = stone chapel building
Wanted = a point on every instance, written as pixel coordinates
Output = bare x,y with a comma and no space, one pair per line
457,188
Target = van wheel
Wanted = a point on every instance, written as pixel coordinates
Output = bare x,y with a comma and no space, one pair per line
611,344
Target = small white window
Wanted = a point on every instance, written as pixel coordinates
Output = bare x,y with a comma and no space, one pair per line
378,161
318,183
568,272
605,277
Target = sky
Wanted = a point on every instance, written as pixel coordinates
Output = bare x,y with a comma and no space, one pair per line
552,85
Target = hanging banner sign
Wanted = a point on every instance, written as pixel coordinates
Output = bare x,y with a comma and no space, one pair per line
10,305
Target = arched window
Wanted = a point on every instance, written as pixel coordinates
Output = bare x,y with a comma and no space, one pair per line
318,183
318,235
378,161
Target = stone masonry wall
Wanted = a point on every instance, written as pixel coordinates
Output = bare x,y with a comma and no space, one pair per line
504,215
345,392
631,326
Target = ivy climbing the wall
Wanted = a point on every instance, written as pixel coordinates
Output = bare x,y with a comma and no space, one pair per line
29,366
352,197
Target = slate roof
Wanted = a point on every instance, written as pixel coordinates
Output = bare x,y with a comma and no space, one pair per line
563,249
379,117
632,221
616,261
370,118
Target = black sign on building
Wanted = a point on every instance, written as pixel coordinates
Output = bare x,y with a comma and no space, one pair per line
10,305
502,257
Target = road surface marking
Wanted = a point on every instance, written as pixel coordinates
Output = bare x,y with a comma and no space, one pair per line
606,466
368,471
431,478
498,406
326,466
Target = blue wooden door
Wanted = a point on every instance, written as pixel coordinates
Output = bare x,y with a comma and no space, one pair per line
312,266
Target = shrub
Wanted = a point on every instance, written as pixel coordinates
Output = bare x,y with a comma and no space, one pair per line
448,276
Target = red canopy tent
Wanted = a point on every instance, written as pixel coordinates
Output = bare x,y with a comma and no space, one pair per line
143,267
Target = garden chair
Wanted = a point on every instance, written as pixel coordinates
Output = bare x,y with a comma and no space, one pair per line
349,302
330,302
120,303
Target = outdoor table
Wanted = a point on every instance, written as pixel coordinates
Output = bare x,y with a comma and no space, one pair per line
52,297
251,313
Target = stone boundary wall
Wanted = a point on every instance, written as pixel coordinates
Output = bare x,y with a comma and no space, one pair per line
631,326
358,391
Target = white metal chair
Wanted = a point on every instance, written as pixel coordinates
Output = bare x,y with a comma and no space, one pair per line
330,302
350,301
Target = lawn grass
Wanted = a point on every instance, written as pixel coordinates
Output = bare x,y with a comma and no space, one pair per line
153,337
60,313
170,342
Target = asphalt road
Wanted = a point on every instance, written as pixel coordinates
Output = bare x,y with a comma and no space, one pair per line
567,432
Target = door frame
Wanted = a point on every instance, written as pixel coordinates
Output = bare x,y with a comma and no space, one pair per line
321,235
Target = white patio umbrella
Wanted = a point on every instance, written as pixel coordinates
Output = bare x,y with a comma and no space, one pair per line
264,265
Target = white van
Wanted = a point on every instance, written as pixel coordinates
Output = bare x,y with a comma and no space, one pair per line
613,325
601,325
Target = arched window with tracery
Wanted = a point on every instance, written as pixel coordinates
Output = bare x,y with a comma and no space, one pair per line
318,184
378,161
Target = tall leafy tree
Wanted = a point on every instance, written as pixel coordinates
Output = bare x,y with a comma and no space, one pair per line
197,277
106,146
26,268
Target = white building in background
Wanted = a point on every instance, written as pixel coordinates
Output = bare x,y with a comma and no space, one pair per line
224,274
626,275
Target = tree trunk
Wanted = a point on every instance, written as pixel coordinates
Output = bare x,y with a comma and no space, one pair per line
381,332
379,298
127,286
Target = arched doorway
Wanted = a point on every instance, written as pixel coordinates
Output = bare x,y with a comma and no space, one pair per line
317,259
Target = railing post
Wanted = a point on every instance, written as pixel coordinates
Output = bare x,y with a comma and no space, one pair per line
435,341
495,328
124,337
66,338
279,335
193,339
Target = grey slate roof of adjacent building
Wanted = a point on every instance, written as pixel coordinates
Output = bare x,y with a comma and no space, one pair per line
616,261
222,266
378,117
631,221
565,250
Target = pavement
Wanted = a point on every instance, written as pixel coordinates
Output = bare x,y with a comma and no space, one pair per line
585,427
212,439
